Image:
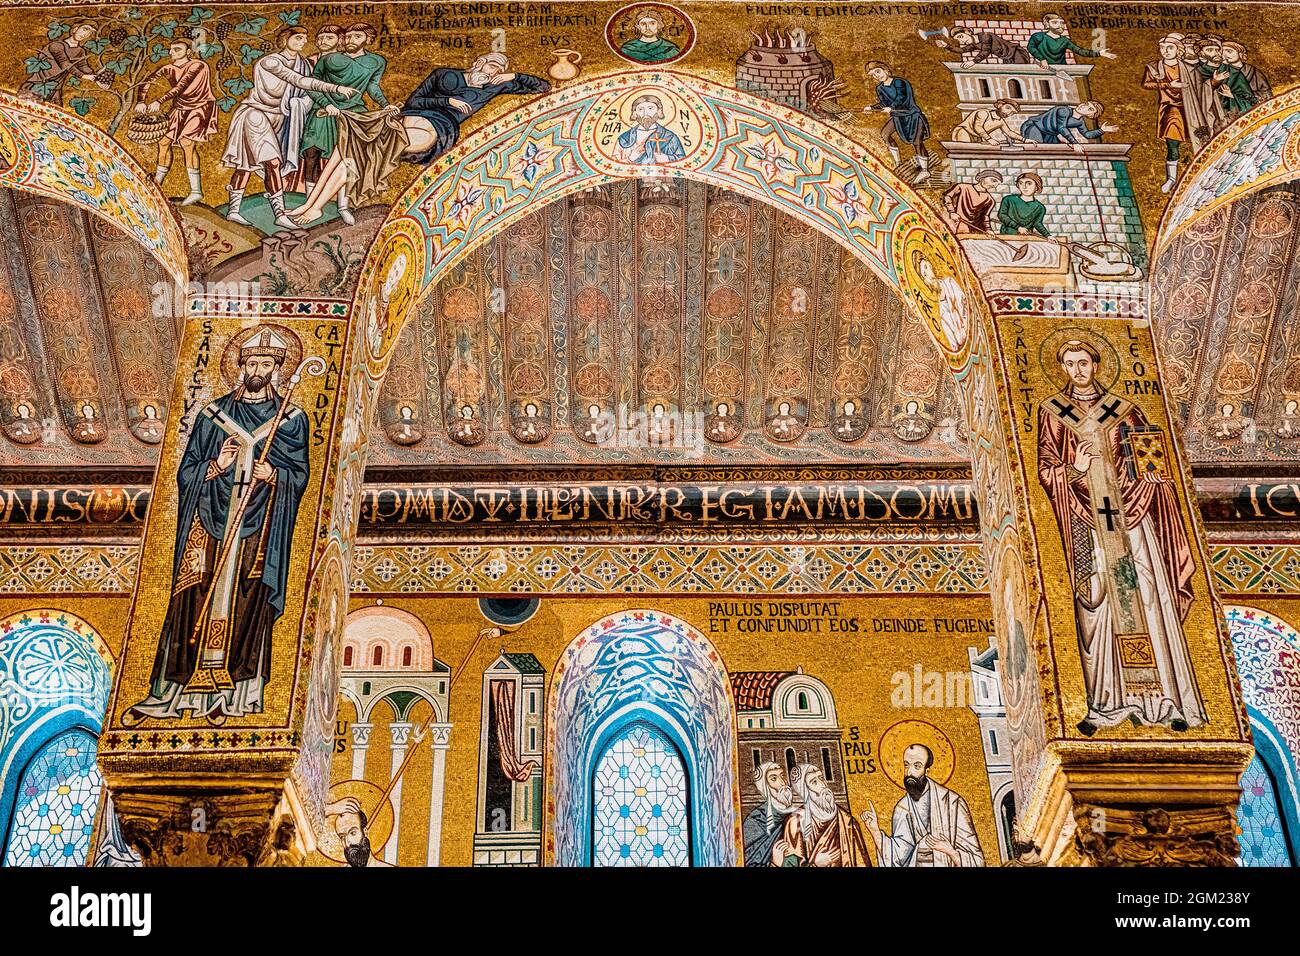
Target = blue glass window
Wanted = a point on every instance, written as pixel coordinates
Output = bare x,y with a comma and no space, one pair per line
54,811
641,802
1263,836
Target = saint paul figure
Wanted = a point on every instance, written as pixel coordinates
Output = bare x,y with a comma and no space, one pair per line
1107,471
238,503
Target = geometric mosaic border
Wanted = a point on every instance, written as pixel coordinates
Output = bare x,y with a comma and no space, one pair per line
1257,568
875,568
893,568
67,568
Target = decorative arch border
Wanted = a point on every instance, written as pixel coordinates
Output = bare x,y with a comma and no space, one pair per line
1281,765
50,152
559,144
27,656
641,665
1267,651
1259,149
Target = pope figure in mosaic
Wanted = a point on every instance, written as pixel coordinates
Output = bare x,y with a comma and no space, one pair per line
1106,469
228,583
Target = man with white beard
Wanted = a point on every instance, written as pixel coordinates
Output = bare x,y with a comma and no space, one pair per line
931,825
819,833
764,824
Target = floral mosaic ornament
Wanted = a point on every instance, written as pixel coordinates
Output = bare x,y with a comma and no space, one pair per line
48,659
1260,149
46,151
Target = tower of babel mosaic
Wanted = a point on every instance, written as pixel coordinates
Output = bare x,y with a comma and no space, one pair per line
652,434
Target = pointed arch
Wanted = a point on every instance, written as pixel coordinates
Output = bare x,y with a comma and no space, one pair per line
566,141
632,670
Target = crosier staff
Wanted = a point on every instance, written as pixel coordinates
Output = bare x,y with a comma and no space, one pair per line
217,676
423,730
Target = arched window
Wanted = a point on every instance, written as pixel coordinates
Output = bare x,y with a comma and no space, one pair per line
642,725
1263,827
1266,649
1007,817
377,658
640,801
803,700
49,786
1017,91
406,656
54,814
347,656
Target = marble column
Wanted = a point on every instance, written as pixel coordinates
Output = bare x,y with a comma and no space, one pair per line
360,744
439,740
401,738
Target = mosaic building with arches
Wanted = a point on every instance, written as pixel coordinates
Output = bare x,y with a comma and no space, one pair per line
691,438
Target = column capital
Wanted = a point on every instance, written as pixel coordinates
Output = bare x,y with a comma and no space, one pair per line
439,736
1129,804
400,731
361,734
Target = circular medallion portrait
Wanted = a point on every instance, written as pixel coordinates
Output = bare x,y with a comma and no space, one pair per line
651,126
930,277
393,293
650,33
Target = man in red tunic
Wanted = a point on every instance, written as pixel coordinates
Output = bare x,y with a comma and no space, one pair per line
191,113
1106,469
970,205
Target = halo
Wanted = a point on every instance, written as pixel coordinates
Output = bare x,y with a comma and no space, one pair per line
1109,364
907,732
626,16
379,823
230,368
624,104
398,244
914,245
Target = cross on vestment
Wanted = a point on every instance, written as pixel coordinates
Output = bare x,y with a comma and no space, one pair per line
222,605
1109,512
1065,410
1110,411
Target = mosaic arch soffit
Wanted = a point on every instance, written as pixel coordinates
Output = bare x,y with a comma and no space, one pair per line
563,143
1260,149
50,152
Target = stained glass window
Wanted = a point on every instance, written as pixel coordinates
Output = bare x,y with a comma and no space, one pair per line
641,802
1263,840
55,809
